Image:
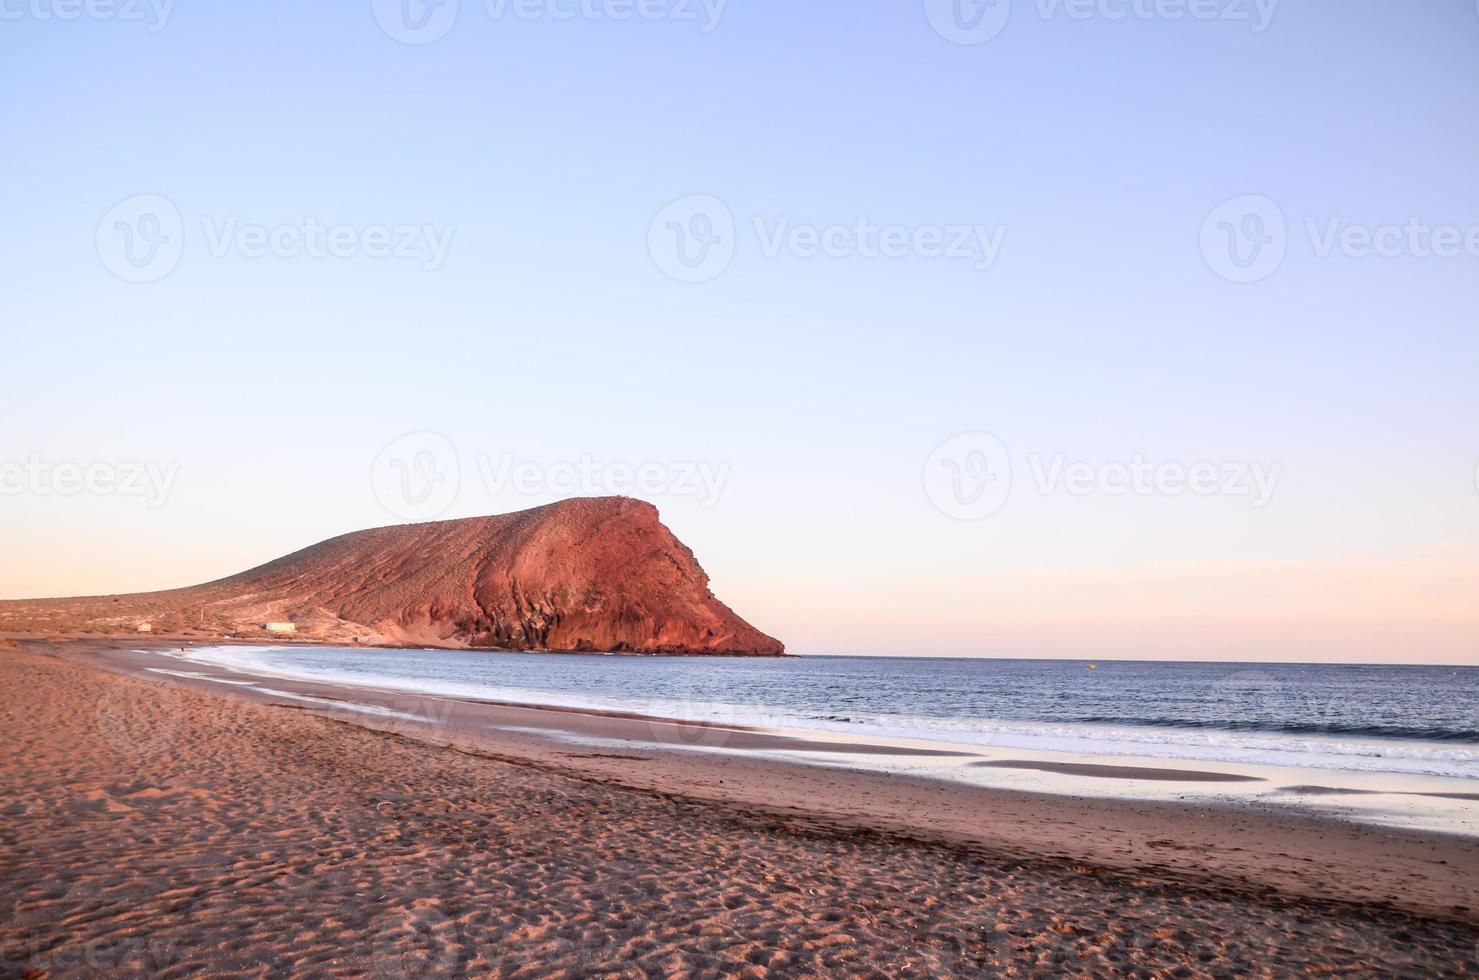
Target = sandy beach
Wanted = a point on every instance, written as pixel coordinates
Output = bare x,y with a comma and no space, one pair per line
679,489
166,826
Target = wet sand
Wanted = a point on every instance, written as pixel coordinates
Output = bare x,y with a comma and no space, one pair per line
180,826
1344,791
1119,772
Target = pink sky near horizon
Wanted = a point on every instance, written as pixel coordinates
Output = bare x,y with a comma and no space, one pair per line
1422,609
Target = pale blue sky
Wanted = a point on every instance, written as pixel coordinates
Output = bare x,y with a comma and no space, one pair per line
821,384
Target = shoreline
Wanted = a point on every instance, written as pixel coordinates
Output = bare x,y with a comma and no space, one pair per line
65,636
1310,854
1054,761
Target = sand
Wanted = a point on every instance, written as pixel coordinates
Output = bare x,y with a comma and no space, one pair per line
1119,772
1345,791
171,828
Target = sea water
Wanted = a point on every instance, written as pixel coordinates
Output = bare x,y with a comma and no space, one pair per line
1397,719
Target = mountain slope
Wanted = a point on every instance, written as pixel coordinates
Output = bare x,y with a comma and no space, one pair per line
587,574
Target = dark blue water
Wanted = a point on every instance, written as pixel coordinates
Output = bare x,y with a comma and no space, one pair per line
1415,719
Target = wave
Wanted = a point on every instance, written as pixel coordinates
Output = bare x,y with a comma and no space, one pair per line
1468,736
1205,744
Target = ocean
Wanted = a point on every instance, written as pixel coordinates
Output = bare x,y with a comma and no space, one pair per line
1396,719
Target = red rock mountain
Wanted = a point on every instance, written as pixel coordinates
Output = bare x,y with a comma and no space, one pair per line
586,574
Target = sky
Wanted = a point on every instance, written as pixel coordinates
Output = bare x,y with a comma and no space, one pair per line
1058,328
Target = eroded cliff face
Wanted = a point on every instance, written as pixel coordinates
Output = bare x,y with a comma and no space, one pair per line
587,574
